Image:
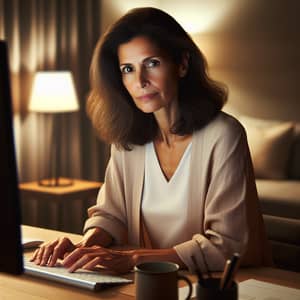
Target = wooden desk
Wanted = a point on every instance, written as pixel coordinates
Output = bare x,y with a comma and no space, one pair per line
60,208
31,288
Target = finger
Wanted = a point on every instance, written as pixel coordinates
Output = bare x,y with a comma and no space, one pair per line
54,257
80,257
80,263
42,254
39,255
100,260
92,264
60,250
34,255
46,255
79,252
74,256
47,252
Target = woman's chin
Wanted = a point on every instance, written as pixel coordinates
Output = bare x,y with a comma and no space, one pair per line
148,109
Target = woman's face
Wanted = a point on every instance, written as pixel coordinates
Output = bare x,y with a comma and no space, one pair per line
150,77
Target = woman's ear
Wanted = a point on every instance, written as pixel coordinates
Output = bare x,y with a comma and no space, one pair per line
184,65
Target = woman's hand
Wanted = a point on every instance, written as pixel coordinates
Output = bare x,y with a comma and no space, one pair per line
48,253
89,257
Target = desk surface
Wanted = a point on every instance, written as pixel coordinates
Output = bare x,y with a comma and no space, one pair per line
31,288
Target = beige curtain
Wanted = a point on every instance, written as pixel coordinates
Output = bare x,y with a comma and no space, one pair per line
52,35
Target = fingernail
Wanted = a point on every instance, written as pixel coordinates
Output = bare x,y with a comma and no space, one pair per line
51,263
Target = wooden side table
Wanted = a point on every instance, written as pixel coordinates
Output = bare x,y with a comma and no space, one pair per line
59,208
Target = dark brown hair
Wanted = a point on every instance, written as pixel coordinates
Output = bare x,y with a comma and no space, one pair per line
111,108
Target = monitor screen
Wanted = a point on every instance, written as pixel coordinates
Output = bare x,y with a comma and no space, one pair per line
11,258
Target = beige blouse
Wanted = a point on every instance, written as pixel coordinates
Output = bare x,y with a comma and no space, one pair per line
223,208
164,208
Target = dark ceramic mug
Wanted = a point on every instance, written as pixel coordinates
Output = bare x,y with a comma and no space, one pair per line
159,281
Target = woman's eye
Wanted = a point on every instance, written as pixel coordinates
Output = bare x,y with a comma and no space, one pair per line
153,63
126,69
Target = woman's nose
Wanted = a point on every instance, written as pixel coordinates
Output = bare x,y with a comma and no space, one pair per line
142,78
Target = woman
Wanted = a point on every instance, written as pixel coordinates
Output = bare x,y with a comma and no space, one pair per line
179,185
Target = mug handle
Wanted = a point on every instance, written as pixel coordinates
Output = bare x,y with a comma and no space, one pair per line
184,278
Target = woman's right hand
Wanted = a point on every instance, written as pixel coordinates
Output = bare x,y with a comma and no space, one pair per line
48,253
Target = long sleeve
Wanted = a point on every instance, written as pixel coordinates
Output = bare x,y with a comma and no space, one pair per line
229,199
110,211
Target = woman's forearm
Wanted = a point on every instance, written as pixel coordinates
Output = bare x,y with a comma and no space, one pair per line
145,255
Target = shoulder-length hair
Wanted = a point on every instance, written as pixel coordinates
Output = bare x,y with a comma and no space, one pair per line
111,108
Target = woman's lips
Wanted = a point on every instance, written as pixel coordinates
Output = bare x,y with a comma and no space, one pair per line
148,96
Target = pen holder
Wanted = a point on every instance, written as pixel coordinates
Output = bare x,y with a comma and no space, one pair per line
210,290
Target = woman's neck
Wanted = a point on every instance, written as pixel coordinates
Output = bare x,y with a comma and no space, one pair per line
165,118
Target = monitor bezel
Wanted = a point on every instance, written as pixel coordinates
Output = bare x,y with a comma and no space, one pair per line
11,252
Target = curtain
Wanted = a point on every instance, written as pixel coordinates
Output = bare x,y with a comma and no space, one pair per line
47,35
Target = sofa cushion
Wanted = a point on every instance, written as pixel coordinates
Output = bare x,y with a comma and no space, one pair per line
294,160
279,197
286,256
270,144
283,230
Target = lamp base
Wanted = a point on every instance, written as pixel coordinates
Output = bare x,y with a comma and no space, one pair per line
55,182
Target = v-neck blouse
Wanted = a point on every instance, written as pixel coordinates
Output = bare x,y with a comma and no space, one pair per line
164,203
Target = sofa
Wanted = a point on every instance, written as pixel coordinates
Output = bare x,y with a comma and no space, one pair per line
275,150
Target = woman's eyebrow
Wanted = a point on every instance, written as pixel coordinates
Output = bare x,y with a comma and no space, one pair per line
143,61
124,64
151,57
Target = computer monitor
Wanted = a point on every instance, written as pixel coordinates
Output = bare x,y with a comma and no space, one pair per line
11,258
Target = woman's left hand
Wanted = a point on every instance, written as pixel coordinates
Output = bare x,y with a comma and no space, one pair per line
89,257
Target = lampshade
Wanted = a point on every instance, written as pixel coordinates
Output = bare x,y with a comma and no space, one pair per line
53,92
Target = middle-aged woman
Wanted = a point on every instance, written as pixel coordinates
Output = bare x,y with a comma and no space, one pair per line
179,185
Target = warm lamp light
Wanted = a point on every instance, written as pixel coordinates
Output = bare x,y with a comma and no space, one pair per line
53,92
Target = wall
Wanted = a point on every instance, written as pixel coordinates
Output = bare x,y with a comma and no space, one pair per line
256,52
252,46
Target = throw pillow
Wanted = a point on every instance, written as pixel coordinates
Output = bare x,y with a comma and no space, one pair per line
269,144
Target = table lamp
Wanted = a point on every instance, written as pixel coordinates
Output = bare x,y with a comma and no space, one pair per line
53,93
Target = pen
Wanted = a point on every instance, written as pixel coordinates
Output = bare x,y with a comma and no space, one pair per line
225,272
231,269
